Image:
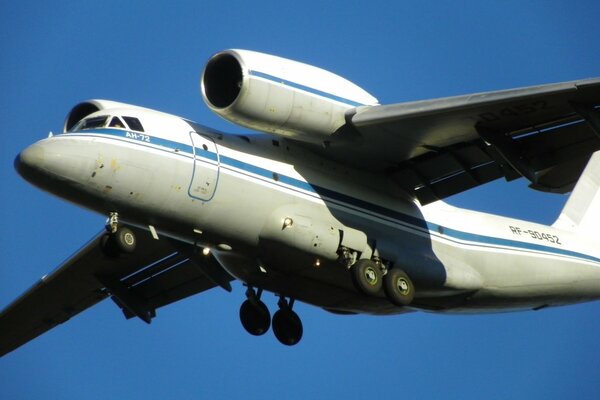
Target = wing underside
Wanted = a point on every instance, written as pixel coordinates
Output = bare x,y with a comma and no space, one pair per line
160,272
436,148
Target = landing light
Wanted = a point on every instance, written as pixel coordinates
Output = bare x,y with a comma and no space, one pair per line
287,222
206,251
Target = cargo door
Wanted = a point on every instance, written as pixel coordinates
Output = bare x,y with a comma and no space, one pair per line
205,174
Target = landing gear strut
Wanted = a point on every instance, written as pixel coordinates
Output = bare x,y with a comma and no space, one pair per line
118,239
287,326
254,314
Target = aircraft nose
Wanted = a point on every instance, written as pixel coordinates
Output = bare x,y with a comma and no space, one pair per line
56,165
30,162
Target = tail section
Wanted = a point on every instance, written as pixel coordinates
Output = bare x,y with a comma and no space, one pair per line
582,211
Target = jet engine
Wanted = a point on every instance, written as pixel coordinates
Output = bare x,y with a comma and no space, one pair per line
277,95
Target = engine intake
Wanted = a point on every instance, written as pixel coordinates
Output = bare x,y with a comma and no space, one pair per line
222,80
277,95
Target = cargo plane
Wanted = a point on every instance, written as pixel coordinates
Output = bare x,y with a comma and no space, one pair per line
339,203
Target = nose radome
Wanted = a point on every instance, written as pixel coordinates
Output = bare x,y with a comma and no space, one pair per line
30,161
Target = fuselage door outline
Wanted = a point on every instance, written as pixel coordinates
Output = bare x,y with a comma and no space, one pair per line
205,171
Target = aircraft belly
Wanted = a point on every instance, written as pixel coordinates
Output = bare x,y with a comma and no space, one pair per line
328,287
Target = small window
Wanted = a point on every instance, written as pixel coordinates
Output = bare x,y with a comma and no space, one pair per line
134,124
91,123
116,122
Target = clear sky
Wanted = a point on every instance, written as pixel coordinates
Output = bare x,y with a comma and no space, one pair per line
54,54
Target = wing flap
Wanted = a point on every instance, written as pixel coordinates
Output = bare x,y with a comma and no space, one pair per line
175,284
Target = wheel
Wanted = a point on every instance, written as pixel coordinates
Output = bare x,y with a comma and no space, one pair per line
287,327
255,317
367,276
122,241
398,287
125,240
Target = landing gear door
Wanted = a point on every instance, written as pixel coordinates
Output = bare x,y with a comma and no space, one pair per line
205,173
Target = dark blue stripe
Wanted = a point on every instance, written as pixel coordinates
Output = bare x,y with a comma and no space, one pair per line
495,241
170,144
308,89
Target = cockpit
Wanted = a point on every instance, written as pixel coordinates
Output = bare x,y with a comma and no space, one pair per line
108,121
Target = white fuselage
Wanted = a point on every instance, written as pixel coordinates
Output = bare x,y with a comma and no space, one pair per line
231,193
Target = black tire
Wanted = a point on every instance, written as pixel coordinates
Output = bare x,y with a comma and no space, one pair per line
287,327
367,277
398,287
125,240
255,317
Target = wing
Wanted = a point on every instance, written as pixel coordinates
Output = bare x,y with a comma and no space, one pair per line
158,273
437,148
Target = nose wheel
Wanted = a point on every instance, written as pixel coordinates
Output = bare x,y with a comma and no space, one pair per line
118,239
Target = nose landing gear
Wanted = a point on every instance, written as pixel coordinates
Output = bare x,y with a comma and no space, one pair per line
118,239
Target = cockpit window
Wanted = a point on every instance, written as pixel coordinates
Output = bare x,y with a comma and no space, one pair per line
91,123
116,122
134,124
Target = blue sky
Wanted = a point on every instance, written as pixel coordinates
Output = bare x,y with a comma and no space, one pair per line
55,54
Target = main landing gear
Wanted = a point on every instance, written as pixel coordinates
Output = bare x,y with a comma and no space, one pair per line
118,239
256,318
287,326
254,314
369,277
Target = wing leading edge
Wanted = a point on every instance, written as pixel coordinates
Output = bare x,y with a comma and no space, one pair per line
158,273
437,148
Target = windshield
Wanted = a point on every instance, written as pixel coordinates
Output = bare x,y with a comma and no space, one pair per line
90,123
117,123
134,123
102,121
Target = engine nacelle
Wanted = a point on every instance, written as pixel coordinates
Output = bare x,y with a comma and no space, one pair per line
277,95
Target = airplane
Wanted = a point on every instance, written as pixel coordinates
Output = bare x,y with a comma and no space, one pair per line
338,202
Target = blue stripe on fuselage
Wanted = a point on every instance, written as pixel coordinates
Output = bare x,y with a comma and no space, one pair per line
337,198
